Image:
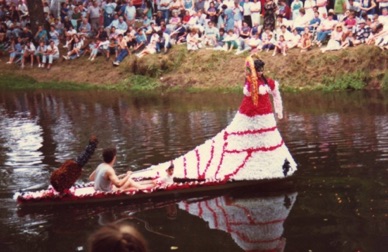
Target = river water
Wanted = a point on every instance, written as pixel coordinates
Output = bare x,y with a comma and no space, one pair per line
338,203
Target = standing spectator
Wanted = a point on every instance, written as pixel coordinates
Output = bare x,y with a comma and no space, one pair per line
270,9
368,7
255,8
284,10
212,13
247,12
199,5
322,7
109,9
296,5
237,15
51,53
129,12
228,18
76,17
188,5
308,7
164,7
94,13
64,11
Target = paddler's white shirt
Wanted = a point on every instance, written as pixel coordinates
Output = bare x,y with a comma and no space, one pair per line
101,183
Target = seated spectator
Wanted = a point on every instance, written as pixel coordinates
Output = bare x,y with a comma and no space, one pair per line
85,28
163,42
94,46
280,46
26,34
179,35
252,44
52,53
141,40
301,21
210,35
351,21
315,22
174,20
151,47
285,33
231,41
122,26
295,39
245,31
361,35
305,43
123,50
268,42
193,41
28,53
186,17
112,48
15,49
220,39
336,39
104,48
54,35
325,29
76,45
41,35
39,52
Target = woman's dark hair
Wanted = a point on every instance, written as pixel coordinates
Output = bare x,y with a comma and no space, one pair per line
259,65
117,238
108,154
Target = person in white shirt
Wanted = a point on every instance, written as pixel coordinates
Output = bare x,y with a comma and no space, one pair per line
302,21
29,52
50,54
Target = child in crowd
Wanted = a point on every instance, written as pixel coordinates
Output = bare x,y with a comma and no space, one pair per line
94,46
280,46
305,43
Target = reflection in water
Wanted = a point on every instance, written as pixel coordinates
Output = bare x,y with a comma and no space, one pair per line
255,224
251,223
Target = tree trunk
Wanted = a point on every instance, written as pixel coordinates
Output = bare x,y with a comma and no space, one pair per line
35,11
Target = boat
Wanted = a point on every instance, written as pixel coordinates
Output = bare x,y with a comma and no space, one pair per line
249,151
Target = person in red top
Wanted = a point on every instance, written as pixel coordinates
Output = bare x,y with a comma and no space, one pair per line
257,88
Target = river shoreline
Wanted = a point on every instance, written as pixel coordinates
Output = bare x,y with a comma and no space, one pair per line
363,67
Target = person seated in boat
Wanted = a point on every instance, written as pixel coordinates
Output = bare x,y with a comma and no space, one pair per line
167,179
105,178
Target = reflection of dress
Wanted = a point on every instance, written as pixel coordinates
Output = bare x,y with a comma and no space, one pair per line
269,15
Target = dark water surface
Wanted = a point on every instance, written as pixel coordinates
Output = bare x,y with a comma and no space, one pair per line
339,140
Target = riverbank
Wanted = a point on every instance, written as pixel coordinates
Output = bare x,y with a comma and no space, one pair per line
363,67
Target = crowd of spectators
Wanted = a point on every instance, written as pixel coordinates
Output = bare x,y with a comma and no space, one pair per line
122,28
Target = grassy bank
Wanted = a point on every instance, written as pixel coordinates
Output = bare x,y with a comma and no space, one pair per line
363,67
